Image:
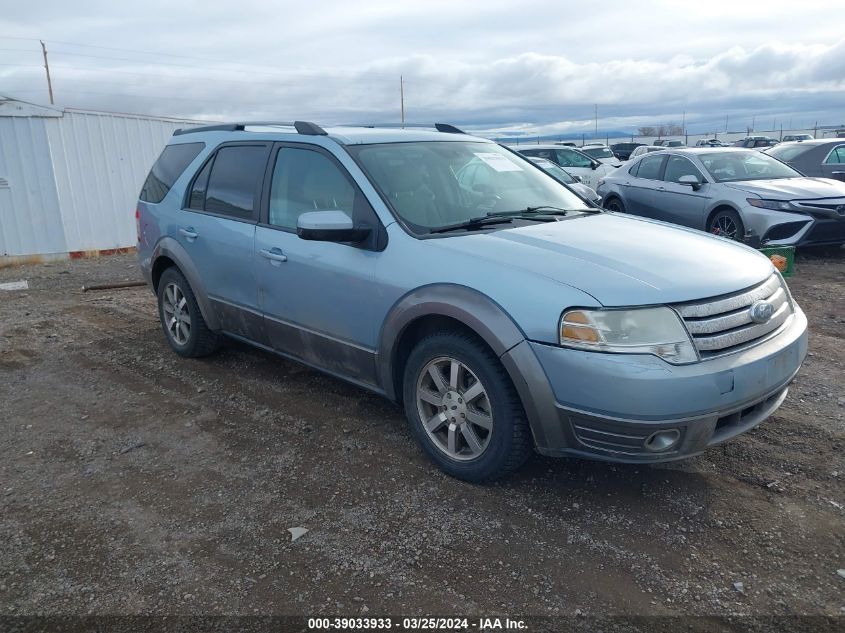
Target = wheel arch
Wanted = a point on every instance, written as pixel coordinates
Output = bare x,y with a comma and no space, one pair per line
169,253
436,307
721,206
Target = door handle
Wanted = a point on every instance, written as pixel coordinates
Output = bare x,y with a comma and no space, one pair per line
661,189
275,255
189,233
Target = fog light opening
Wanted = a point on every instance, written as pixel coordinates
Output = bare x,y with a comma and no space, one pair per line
662,440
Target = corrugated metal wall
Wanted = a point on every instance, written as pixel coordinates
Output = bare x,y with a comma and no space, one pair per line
30,221
100,163
72,179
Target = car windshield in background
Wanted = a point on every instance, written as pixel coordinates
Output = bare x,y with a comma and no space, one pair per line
787,152
436,184
752,165
554,170
597,152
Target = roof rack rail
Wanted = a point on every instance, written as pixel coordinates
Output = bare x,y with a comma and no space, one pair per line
302,127
446,127
440,127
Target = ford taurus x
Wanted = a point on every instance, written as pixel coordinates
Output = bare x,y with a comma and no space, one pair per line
505,313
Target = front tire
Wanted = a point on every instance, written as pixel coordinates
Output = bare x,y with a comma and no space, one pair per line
181,319
615,204
463,408
727,223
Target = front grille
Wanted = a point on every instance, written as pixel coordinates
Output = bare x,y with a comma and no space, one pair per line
724,324
826,232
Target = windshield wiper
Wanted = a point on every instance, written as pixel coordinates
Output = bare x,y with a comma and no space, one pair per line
540,210
473,223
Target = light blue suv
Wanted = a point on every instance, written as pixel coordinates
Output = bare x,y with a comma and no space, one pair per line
451,275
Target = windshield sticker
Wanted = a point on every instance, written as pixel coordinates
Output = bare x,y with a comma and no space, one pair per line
498,161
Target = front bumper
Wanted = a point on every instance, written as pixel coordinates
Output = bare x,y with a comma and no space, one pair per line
608,406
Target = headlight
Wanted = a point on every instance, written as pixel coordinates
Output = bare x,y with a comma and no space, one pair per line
657,331
774,205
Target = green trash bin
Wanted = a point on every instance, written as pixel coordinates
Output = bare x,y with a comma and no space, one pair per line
783,257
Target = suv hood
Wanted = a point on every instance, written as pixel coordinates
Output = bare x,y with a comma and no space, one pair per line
619,260
791,188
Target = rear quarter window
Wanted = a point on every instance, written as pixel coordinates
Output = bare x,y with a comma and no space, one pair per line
167,169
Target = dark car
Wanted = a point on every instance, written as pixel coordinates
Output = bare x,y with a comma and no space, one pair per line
622,151
820,158
756,142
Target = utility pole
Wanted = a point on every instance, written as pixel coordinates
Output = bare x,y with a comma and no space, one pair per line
402,99
47,68
726,124
684,123
596,133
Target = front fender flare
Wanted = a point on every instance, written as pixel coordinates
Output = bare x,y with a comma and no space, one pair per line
472,308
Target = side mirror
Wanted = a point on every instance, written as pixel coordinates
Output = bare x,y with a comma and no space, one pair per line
577,178
330,226
690,180
595,165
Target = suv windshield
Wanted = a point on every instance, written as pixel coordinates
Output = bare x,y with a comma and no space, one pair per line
598,152
436,184
732,166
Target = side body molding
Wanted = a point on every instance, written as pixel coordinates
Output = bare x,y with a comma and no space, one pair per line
169,247
472,308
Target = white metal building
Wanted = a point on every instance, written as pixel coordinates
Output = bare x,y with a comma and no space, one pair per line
69,179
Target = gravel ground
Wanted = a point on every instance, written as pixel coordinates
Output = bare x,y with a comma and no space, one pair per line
134,481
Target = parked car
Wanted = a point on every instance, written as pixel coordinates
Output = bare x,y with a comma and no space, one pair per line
645,149
756,142
796,137
820,158
601,153
449,274
709,142
566,178
736,193
576,162
669,142
622,151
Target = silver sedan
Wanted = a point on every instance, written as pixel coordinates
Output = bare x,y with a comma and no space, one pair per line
737,193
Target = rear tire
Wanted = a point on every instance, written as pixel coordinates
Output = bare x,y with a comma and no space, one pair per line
463,408
181,319
615,204
727,223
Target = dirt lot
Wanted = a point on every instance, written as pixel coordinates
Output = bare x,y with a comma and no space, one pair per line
134,481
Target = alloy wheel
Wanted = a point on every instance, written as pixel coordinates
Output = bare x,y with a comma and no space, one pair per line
454,408
724,226
176,316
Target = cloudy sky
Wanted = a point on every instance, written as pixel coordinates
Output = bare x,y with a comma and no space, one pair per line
495,67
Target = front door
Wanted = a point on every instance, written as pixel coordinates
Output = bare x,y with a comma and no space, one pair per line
643,194
315,296
681,204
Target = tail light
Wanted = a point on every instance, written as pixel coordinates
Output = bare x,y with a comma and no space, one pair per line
138,222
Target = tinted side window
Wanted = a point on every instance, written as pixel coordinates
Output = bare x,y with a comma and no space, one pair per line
197,200
650,167
568,158
678,166
233,182
837,156
306,180
634,168
167,169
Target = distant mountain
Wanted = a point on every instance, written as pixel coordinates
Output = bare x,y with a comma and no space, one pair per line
524,139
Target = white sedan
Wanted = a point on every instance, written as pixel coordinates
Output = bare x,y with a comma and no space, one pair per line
590,170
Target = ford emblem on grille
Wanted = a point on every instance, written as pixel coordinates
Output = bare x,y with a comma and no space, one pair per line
761,311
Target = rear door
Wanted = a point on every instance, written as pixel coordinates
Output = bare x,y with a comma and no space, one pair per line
217,229
682,204
643,189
